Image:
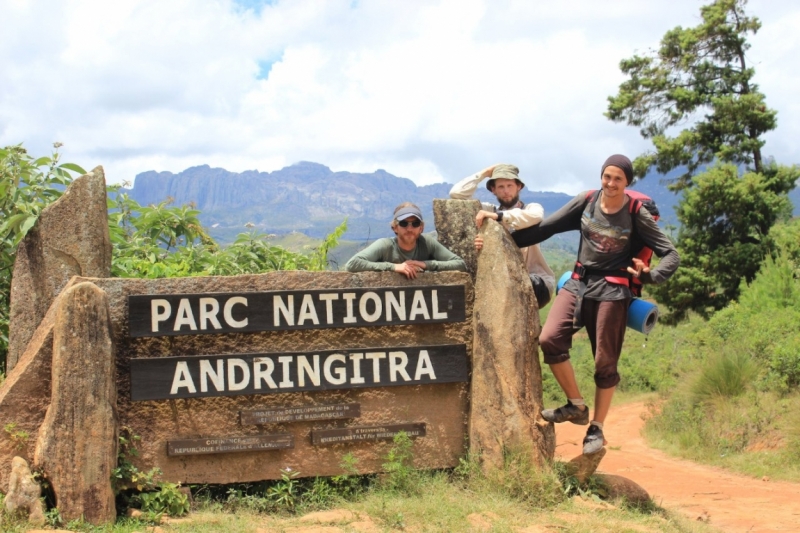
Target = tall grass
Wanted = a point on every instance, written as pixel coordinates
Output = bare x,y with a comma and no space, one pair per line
736,400
724,375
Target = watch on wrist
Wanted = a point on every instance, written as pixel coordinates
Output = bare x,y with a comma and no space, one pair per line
499,216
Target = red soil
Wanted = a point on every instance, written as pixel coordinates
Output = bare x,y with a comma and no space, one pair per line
730,502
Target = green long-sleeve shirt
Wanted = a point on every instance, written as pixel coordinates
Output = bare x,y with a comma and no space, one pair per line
383,254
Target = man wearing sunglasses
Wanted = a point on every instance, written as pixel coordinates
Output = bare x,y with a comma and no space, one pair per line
410,252
514,215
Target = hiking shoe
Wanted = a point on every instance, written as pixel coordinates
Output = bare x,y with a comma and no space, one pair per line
567,413
594,440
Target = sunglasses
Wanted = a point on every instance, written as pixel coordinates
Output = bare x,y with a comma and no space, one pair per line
405,223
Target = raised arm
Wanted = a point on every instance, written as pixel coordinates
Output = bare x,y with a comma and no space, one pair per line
465,189
567,218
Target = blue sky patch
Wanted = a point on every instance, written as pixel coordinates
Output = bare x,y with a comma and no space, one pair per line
254,5
264,68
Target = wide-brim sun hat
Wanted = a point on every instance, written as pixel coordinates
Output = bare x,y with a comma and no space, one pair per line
504,172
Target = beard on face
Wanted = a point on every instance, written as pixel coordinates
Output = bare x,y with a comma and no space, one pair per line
511,203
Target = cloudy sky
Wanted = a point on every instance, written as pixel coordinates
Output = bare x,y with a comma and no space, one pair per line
428,90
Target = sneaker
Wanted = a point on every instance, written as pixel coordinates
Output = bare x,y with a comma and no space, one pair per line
594,440
567,413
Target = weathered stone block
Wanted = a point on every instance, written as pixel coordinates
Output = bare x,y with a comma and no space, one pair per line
506,389
25,395
77,444
456,230
70,239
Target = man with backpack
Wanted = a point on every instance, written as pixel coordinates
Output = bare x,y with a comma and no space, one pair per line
613,230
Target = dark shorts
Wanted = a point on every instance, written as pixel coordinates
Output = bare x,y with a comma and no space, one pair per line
605,324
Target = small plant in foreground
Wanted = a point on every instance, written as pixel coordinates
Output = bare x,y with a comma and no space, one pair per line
351,483
52,517
126,474
468,467
285,492
400,474
167,500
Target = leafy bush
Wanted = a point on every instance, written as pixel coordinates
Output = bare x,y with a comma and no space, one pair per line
159,241
126,475
168,499
27,186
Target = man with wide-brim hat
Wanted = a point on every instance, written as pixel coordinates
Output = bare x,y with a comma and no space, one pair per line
513,214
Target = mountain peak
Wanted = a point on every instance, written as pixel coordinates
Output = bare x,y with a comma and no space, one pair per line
310,165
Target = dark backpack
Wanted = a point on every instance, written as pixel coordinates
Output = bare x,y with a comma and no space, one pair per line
639,249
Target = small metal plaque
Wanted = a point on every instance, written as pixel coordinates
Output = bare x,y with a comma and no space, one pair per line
321,437
253,443
301,413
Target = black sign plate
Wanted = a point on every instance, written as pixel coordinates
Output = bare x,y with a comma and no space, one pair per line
301,413
252,443
321,437
195,314
231,375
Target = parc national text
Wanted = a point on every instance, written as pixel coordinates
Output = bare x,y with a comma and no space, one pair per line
192,314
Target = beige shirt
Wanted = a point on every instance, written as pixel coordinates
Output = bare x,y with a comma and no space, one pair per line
514,219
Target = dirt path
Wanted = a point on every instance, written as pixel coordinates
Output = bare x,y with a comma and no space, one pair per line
730,502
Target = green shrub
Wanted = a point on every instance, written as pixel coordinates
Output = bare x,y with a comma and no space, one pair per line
285,492
725,375
27,186
168,499
400,475
784,365
164,241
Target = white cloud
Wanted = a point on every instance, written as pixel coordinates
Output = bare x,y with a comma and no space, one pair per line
428,91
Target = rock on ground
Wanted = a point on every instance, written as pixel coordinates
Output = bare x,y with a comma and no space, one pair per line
623,488
23,493
583,466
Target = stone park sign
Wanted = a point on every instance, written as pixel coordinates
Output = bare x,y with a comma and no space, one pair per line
175,384
231,379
